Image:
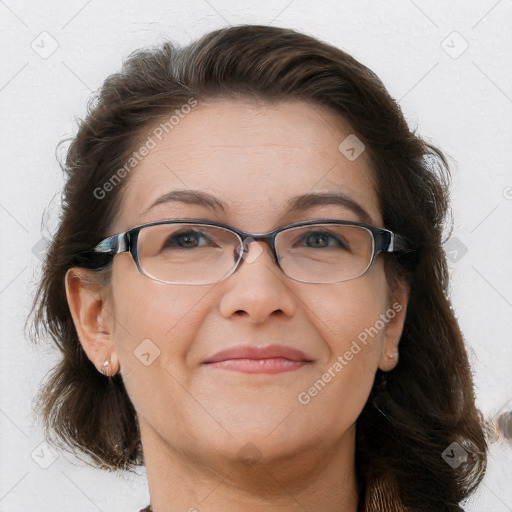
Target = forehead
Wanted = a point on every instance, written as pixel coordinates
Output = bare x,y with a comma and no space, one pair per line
254,158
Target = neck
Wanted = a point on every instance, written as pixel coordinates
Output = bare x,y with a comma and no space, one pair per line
320,478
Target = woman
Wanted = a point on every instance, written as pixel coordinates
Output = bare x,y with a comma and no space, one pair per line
249,289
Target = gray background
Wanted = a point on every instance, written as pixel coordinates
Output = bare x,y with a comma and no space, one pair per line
449,66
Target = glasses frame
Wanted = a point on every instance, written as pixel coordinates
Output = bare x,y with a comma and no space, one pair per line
384,241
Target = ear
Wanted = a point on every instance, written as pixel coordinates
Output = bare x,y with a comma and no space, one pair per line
395,319
89,306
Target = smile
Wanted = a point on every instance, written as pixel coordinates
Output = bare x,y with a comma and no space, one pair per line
268,365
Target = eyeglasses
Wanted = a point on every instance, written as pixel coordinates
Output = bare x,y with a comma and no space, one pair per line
188,251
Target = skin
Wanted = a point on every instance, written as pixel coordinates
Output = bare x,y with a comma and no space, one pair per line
196,422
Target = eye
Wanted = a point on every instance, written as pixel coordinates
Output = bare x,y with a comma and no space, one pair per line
320,239
188,239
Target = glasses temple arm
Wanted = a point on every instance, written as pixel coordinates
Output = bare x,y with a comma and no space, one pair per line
113,245
399,243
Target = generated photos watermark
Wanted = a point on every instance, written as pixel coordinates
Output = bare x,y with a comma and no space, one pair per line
151,142
304,397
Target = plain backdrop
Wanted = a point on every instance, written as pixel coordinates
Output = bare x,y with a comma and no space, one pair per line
447,63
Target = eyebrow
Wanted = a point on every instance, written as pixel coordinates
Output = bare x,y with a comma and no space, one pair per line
197,197
295,204
306,201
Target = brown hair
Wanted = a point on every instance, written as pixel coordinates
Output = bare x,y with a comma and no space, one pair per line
415,412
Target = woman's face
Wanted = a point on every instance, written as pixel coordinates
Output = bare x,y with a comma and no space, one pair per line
254,159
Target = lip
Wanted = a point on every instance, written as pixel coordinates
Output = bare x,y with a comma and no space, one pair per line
269,359
259,352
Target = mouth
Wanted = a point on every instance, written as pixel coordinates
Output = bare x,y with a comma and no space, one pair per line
269,359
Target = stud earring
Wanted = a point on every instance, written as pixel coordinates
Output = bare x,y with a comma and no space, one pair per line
394,356
104,369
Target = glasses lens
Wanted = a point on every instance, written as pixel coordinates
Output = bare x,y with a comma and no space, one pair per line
325,253
187,253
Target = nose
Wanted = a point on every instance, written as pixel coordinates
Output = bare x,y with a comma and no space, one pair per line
258,288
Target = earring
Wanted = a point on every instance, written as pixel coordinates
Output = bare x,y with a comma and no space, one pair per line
394,356
104,369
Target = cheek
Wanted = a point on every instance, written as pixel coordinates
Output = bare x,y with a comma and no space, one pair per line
348,318
153,322
346,311
155,325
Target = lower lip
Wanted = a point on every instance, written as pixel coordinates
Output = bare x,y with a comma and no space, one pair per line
269,365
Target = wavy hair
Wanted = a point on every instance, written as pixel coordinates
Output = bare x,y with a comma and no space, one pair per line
415,412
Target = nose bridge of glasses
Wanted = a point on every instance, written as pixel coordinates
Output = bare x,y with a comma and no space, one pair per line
251,255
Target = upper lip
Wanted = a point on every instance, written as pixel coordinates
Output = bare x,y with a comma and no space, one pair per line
259,352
